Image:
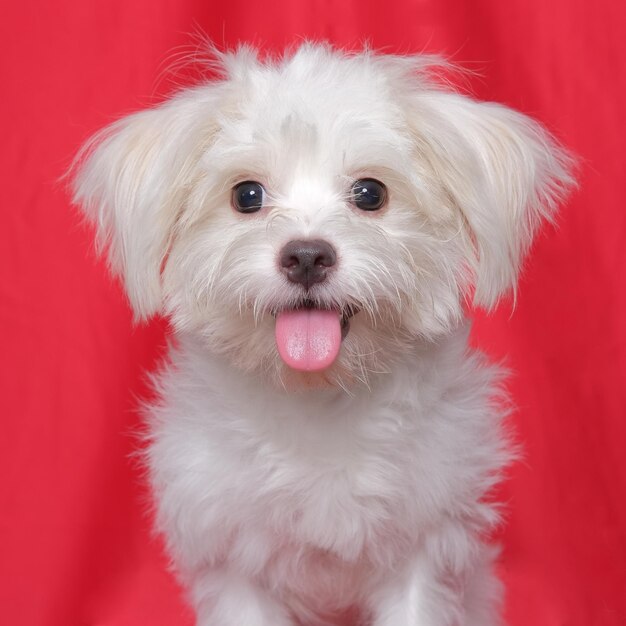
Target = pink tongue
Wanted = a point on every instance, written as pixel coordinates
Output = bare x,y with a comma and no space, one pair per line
308,339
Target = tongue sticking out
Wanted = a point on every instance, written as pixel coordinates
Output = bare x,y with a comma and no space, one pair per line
308,339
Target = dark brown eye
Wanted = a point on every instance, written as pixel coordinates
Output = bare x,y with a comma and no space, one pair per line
368,194
248,196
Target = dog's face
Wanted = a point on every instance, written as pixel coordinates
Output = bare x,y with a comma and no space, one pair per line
309,218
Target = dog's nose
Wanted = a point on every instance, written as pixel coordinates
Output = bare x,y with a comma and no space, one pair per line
307,262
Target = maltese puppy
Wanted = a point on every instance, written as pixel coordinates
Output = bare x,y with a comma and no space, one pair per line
325,442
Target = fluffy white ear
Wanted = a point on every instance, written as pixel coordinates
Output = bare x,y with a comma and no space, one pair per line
504,173
132,180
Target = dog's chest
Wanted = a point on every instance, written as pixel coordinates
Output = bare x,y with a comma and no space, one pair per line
331,488
251,475
328,508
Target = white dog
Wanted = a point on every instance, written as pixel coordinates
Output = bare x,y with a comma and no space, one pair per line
326,441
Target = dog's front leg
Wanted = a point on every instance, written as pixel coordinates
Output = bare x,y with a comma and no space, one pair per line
418,596
224,599
428,594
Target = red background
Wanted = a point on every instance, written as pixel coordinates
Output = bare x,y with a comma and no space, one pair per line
75,545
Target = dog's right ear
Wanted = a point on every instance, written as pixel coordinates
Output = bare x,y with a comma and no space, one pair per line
132,180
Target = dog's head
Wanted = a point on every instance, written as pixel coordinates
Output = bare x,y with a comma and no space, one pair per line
310,217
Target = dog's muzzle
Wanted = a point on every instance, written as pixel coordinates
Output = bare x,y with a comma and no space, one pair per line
309,335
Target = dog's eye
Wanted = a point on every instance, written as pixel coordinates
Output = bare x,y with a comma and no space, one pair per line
368,194
248,196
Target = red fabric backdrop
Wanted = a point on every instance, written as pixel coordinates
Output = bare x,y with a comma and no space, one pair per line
75,545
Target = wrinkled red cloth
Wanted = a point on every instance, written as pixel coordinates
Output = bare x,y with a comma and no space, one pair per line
75,543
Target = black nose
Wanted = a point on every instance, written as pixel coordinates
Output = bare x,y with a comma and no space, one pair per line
307,262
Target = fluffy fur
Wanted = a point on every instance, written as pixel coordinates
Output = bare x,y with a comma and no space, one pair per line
291,497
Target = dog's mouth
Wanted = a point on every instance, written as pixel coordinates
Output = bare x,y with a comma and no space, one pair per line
309,335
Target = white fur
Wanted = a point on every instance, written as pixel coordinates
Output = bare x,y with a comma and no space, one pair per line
288,498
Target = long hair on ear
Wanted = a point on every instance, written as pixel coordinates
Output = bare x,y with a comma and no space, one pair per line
132,179
502,170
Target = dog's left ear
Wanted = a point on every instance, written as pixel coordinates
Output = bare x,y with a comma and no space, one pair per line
501,170
132,181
